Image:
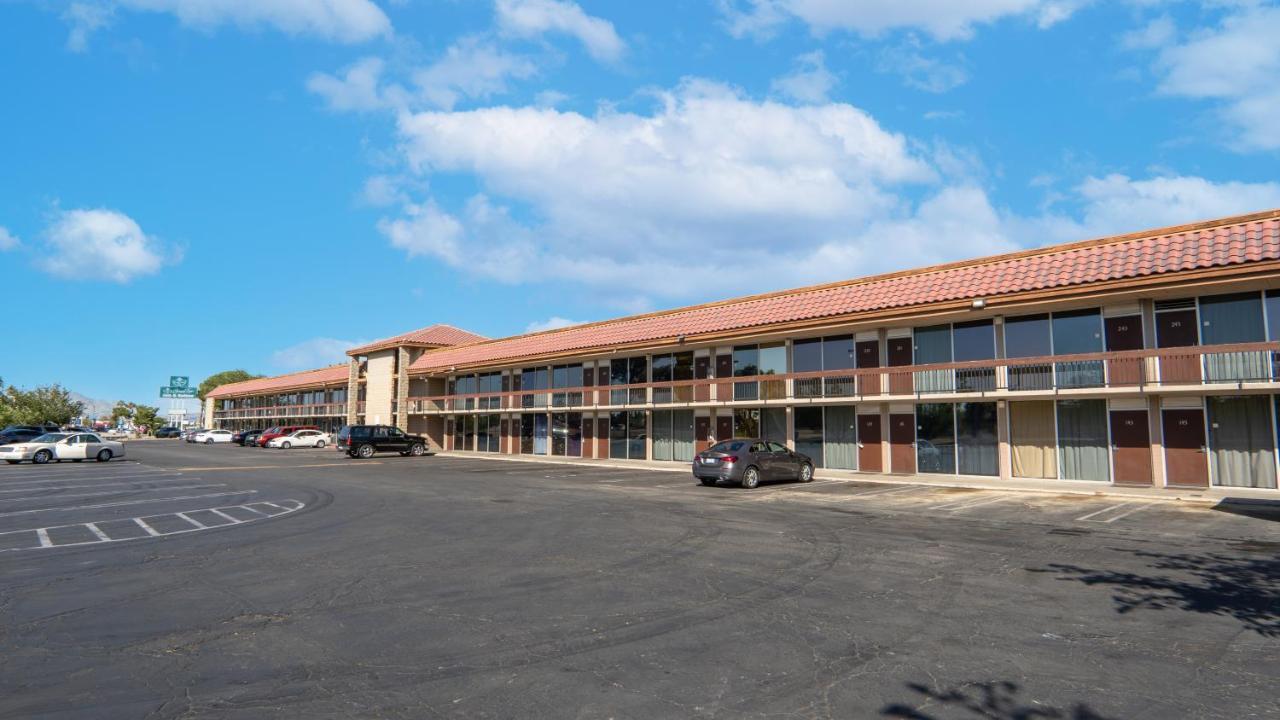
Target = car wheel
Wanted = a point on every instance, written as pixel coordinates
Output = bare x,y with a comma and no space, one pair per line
208,441
707,481
751,478
319,443
104,455
286,445
417,450
41,457
366,451
806,473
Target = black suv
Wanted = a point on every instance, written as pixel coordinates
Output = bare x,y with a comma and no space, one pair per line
362,441
24,433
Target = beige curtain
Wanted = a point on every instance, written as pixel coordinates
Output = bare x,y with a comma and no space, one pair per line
1034,442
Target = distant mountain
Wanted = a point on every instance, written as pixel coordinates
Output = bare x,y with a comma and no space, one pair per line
94,408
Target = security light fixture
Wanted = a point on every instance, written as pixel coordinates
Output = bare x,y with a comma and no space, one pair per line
979,303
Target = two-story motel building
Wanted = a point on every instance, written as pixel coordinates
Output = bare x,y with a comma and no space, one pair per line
1147,359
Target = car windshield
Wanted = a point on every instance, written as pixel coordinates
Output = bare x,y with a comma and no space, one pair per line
727,446
51,437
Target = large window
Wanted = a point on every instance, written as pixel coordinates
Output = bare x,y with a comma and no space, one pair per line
1082,440
746,363
469,432
559,433
618,435
490,383
823,354
532,379
618,376
637,434
976,441
808,435
1075,333
487,433
840,437
1029,336
1241,443
935,438
673,435
974,341
566,376
673,368
1237,318
763,423
933,345
526,434
1034,439
466,385
540,434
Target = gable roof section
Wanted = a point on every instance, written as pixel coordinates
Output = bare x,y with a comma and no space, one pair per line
1218,243
435,335
307,378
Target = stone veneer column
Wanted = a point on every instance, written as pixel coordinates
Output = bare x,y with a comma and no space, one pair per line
402,389
353,389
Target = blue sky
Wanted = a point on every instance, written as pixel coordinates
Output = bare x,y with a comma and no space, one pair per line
212,184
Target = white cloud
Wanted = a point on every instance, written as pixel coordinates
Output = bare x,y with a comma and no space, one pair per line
8,241
810,82
941,19
426,230
356,90
554,322
345,21
101,245
532,18
84,19
470,68
1235,64
313,353
1155,34
920,72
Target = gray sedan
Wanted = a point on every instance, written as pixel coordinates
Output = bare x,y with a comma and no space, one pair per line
749,461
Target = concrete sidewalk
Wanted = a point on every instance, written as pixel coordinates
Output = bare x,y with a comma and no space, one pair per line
1212,495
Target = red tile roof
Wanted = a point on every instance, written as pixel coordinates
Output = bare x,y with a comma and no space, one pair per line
438,335
332,375
1230,241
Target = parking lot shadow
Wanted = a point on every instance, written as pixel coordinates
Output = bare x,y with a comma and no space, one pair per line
1244,588
1257,509
988,700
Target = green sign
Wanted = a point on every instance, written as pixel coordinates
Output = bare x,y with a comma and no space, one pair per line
179,382
177,392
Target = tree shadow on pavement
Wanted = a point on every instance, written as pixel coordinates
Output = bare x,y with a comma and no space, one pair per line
1247,589
988,700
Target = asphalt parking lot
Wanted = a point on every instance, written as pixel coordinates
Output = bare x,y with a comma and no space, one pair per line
217,581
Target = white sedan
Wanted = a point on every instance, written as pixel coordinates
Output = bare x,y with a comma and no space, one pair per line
62,446
212,436
300,438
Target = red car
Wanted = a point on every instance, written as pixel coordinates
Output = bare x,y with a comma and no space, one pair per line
280,431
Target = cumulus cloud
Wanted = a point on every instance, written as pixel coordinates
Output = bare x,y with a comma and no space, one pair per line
532,18
313,353
1236,65
809,82
347,21
941,19
919,71
470,68
554,322
8,241
356,90
101,244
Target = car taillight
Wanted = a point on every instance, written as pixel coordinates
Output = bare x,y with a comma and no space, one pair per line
731,459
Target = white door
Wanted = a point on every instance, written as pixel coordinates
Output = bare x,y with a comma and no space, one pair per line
72,448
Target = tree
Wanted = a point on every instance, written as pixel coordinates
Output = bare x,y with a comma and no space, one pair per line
222,378
49,403
148,416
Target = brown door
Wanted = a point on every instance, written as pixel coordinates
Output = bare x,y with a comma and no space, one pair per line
902,443
869,457
448,435
1131,447
724,369
724,427
1185,461
702,371
900,354
868,352
1177,329
602,437
701,431
602,380
588,437
1124,333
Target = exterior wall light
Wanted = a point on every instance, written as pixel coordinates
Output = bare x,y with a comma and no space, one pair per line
979,304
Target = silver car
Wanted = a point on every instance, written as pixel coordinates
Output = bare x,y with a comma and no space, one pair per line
750,461
60,446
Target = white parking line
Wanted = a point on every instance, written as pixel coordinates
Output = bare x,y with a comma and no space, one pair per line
1127,513
970,503
72,470
90,477
42,534
95,485
127,502
1083,518
813,483
253,510
112,492
887,491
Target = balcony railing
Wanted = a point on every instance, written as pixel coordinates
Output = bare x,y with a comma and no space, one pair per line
280,411
1213,365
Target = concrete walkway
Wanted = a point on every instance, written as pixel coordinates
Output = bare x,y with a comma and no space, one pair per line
1211,495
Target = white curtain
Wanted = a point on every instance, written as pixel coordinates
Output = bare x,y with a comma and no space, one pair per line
1241,443
840,440
1082,440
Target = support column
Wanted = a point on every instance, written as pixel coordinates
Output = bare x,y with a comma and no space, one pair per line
1156,429
402,389
886,456
353,389
1004,453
